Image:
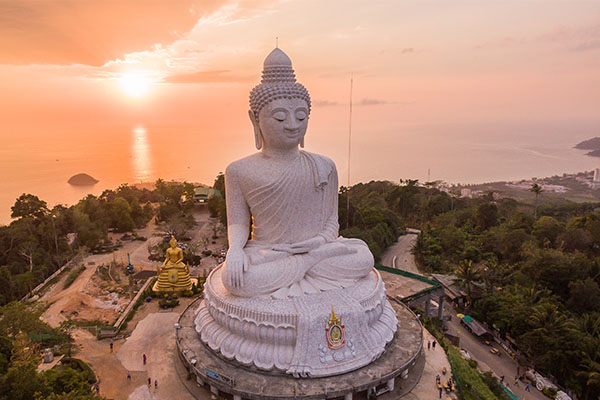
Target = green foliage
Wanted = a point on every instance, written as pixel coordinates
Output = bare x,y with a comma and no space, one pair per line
169,301
471,383
72,276
19,357
535,279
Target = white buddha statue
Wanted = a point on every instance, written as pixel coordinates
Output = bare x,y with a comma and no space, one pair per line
292,197
296,298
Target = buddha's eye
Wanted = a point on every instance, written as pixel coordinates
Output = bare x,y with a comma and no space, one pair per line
279,116
300,115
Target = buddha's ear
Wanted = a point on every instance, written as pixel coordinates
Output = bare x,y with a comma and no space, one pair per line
302,142
258,142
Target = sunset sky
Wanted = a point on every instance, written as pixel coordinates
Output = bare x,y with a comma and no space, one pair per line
74,67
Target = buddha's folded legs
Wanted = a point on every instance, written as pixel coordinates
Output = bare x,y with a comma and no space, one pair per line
332,265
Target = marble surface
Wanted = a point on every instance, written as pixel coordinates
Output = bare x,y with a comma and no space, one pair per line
402,354
271,304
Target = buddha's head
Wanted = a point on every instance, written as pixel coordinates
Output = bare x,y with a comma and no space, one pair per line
173,242
279,106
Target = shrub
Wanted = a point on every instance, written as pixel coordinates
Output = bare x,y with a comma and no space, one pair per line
72,276
80,366
471,382
549,392
168,303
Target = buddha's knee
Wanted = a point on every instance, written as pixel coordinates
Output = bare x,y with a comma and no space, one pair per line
364,257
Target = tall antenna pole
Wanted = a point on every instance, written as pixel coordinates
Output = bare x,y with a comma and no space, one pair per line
349,152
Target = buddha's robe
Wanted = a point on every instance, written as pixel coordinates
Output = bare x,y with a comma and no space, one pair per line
300,204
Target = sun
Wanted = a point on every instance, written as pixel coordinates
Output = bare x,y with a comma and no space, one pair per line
135,84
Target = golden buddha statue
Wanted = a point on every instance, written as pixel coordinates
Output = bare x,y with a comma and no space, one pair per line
174,274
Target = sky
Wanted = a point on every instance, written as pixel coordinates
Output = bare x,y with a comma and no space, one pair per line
71,67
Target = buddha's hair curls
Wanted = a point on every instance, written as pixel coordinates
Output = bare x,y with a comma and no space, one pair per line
278,82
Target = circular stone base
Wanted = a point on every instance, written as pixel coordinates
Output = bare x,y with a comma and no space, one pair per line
228,377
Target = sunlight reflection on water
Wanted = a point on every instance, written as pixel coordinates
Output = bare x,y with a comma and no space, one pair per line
141,157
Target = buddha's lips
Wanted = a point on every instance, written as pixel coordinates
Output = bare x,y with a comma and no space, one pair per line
292,134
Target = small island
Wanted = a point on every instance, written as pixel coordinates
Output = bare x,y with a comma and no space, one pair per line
82,180
590,144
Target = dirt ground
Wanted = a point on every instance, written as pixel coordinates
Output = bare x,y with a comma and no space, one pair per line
150,332
94,297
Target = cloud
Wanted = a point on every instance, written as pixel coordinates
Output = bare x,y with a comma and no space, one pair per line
578,38
407,50
372,102
325,103
220,76
363,102
92,32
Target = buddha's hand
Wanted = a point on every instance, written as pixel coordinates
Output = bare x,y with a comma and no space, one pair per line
237,263
301,247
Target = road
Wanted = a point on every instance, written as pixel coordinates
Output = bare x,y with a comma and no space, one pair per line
400,253
399,256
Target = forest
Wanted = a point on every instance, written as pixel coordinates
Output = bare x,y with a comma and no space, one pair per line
530,270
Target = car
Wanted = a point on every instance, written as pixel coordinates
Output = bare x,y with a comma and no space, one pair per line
495,351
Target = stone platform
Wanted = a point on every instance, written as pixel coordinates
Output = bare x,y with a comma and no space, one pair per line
223,376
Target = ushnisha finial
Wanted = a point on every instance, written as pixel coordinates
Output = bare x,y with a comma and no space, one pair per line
278,82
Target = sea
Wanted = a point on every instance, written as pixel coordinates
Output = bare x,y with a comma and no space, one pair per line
456,153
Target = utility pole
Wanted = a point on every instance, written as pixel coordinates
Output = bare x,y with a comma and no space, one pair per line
349,152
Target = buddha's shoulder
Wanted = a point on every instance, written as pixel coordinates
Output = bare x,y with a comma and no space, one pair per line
243,165
321,159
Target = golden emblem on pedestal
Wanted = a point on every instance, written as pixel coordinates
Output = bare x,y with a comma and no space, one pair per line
335,333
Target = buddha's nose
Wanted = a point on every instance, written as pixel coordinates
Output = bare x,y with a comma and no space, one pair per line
292,125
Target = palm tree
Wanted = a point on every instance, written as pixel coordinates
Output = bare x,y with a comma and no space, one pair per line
551,339
537,189
466,274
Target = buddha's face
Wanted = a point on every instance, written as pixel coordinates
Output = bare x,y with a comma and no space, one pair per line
283,123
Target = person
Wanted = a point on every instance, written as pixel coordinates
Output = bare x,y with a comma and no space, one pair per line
502,379
440,389
155,384
97,388
433,344
149,381
111,347
292,197
527,386
437,378
516,381
144,358
428,345
128,375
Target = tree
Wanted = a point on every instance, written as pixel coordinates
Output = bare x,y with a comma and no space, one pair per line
487,216
537,189
552,339
546,230
467,274
585,296
29,206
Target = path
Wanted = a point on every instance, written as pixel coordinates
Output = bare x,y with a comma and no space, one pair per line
401,252
435,362
500,366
